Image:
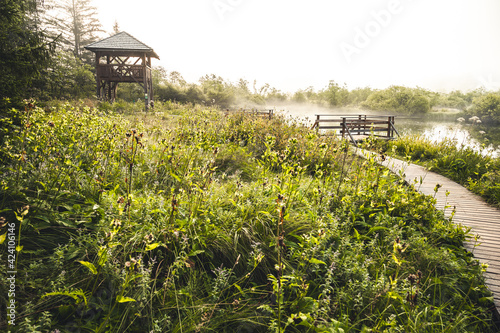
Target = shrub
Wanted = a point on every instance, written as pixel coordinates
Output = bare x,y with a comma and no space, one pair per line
399,99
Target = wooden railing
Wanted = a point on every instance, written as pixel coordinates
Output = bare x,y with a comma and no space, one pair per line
119,71
351,125
267,114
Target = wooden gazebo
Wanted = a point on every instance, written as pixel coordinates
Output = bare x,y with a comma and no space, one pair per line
122,58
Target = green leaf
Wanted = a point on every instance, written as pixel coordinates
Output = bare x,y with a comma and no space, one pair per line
102,254
356,234
486,299
73,294
123,299
153,246
90,266
195,253
396,260
316,261
376,229
2,238
175,177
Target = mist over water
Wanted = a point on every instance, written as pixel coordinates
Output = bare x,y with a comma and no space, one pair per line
464,135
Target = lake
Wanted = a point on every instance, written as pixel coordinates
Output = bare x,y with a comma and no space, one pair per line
437,126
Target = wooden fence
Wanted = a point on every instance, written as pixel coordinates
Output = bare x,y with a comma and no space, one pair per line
352,125
267,114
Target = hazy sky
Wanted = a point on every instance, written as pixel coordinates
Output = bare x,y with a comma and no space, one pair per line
292,44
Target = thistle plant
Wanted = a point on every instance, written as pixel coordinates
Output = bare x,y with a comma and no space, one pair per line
132,145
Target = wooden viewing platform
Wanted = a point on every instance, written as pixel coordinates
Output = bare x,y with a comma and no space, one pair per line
356,125
267,113
470,211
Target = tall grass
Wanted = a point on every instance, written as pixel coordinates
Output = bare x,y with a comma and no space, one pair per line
473,168
224,223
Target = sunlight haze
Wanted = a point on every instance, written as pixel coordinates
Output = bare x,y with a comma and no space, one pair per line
439,45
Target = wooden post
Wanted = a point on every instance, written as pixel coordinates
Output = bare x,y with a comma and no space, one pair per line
151,92
98,77
389,127
145,82
344,126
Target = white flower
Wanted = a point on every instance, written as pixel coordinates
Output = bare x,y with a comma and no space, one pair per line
461,120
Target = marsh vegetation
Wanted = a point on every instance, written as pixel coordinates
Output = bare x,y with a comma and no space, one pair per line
186,220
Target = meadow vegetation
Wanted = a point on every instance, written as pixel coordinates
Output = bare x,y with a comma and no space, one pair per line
189,220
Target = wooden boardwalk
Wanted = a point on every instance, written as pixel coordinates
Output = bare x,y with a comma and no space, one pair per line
471,211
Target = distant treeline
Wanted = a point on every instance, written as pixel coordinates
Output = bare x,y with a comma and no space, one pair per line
43,57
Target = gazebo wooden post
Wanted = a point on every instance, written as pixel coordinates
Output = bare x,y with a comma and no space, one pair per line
145,82
98,75
151,92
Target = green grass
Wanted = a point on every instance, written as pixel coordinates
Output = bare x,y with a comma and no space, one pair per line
474,169
186,220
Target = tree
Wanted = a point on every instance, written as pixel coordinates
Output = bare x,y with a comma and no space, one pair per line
116,28
217,90
487,107
335,95
399,99
25,50
69,78
76,24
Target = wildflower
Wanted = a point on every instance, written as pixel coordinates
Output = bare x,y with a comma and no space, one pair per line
149,237
461,120
176,234
482,132
474,119
127,264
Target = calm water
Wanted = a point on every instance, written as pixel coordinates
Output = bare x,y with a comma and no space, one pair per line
447,127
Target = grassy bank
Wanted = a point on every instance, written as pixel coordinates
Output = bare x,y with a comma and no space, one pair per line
472,168
191,221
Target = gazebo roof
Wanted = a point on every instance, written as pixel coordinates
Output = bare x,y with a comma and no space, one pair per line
122,42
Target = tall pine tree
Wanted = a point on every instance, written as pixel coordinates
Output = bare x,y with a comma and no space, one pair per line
25,50
76,24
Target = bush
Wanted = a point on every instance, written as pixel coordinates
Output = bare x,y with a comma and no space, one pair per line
399,99
487,108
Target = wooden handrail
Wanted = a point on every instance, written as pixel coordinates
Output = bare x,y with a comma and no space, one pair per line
357,124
